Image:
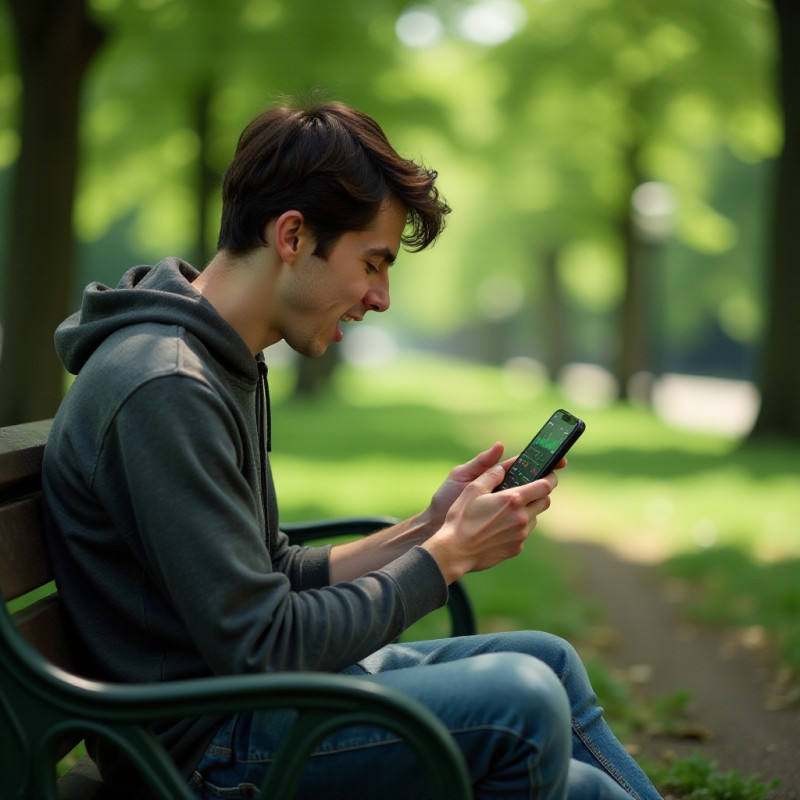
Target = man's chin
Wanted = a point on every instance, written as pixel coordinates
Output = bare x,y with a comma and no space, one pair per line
315,350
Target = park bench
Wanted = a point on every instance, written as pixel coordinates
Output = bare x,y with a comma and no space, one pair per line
45,709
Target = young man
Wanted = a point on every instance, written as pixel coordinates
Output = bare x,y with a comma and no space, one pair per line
163,522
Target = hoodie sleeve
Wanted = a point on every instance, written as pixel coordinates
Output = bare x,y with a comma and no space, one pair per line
169,471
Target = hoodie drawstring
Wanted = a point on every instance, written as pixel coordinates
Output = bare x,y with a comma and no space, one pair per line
263,402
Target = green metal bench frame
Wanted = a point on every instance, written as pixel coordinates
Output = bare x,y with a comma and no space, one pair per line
45,709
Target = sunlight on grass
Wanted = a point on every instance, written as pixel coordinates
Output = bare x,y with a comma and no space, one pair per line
372,485
384,439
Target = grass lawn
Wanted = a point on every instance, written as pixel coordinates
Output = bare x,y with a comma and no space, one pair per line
720,515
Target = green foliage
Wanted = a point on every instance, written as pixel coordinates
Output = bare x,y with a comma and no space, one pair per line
167,64
541,137
697,778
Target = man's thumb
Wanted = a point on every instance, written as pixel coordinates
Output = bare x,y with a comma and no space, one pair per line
491,478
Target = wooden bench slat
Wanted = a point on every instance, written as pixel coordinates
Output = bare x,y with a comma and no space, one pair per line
21,451
43,625
24,564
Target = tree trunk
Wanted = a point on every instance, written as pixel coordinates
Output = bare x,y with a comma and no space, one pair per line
56,41
779,380
633,338
556,328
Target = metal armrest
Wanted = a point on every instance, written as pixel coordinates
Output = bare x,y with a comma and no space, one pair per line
48,703
302,532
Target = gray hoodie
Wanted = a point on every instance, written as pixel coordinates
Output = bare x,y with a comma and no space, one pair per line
161,513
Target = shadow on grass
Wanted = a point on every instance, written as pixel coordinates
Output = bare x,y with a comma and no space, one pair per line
333,430
731,588
676,462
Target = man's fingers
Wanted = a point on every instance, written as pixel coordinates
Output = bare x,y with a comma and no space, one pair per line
478,465
488,457
489,479
535,490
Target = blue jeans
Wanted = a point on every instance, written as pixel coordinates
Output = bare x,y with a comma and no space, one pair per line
519,705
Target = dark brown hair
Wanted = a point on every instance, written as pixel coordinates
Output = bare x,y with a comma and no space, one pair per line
332,163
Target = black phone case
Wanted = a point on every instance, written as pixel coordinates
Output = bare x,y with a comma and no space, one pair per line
558,454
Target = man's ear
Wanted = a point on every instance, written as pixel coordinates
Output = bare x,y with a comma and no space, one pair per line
290,234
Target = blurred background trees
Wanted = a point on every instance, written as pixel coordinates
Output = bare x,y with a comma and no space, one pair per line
55,44
610,164
779,380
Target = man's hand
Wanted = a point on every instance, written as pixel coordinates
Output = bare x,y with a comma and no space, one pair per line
482,528
477,477
459,478
455,483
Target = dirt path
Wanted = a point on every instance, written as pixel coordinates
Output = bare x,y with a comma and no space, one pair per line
732,687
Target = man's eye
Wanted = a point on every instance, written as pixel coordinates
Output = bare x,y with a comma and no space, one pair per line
371,267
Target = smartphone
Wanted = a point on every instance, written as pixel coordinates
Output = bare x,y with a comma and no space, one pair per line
546,449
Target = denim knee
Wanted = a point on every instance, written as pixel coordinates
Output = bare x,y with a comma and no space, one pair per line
586,782
520,674
526,687
523,711
554,651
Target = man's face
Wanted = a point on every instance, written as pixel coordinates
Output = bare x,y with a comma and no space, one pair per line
352,280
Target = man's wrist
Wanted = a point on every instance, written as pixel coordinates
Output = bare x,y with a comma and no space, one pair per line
450,568
421,526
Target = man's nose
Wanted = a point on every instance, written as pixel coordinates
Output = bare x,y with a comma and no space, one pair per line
377,298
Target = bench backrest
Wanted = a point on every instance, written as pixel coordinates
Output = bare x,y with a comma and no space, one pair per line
26,577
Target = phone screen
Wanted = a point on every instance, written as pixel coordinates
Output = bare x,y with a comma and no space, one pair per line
546,449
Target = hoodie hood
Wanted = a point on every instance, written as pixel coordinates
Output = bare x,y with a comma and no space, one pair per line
160,294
